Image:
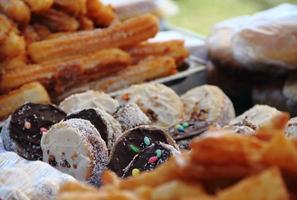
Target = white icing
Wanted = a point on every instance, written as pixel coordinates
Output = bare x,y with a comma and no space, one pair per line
211,99
256,117
163,101
89,99
22,179
71,141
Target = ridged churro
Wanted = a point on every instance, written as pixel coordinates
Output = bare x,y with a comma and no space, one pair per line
39,5
146,70
58,76
57,21
101,14
77,7
16,10
123,34
32,92
175,49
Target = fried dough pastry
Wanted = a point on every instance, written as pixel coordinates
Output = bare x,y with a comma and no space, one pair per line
77,7
39,5
85,23
259,169
6,26
16,10
57,21
58,76
101,14
175,49
41,30
123,34
32,92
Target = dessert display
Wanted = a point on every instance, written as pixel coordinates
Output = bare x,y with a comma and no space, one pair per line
141,149
23,130
130,116
89,99
160,103
23,180
108,128
208,103
75,147
229,166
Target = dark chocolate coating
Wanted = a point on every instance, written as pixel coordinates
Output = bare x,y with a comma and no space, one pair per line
28,138
95,119
183,138
140,161
122,153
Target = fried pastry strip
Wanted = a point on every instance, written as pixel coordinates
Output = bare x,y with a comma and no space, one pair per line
16,10
58,76
101,14
146,70
41,30
14,63
30,34
85,23
5,27
39,5
12,46
123,34
32,92
77,7
175,49
57,21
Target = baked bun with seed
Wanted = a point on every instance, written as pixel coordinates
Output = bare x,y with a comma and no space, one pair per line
208,103
106,125
130,116
159,102
75,147
256,117
89,99
141,149
23,129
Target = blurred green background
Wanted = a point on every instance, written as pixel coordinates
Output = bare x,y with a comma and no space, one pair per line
200,15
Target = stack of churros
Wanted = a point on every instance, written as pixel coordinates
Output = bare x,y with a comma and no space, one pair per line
67,45
227,166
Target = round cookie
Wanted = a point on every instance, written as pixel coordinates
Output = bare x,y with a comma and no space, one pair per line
75,147
89,99
291,128
160,103
129,116
208,103
107,126
23,129
141,149
185,131
256,116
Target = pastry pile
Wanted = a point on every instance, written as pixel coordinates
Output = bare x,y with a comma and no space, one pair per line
61,47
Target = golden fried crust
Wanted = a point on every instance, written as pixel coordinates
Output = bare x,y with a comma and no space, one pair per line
85,23
57,21
12,46
123,34
39,5
175,49
32,92
58,76
16,10
77,7
101,14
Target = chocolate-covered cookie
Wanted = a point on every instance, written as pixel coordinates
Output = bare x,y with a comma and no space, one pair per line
129,116
185,131
107,126
141,149
24,128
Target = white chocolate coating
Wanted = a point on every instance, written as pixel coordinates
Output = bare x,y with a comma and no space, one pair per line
160,103
89,99
77,149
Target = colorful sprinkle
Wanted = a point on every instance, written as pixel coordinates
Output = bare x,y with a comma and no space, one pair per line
158,153
135,172
27,125
134,148
185,125
181,129
43,130
177,126
147,141
153,159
